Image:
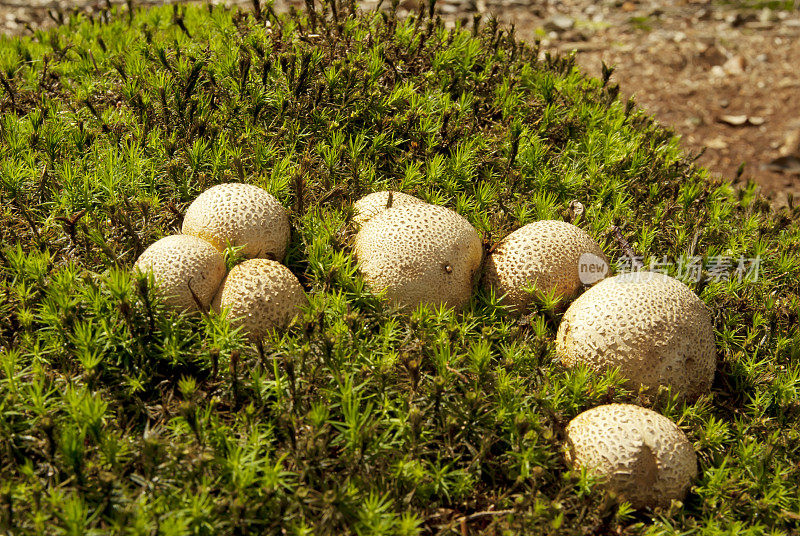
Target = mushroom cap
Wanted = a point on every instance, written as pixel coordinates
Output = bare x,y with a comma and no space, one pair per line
242,215
420,253
644,457
179,260
369,205
261,295
553,256
651,326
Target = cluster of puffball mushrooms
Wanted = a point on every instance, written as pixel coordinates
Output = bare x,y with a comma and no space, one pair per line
651,327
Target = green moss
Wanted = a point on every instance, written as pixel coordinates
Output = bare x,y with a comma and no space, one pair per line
117,416
787,5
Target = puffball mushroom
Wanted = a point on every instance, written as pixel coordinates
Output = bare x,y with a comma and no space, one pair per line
651,326
261,295
240,215
553,256
369,205
643,456
179,261
419,253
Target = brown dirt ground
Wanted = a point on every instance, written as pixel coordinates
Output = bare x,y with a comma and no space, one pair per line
724,77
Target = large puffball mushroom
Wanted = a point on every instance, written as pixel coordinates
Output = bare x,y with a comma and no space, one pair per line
552,256
261,295
369,205
651,326
240,215
643,456
419,253
180,261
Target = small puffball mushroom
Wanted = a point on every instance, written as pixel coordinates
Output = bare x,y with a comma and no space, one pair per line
369,205
643,456
261,295
179,261
420,253
651,326
242,215
552,256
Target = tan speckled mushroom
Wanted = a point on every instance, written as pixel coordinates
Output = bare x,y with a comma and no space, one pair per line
651,326
643,456
369,205
553,256
178,261
420,253
260,294
242,215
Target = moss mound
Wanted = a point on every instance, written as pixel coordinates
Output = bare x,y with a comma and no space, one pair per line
118,416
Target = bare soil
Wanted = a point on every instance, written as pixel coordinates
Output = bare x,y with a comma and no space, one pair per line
724,77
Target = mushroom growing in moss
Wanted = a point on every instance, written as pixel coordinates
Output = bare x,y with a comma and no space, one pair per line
240,215
420,254
261,295
179,262
651,326
369,205
552,256
642,455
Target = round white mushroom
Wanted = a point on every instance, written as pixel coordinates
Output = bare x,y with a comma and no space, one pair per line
651,326
179,262
261,295
240,215
551,256
420,254
642,455
369,205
